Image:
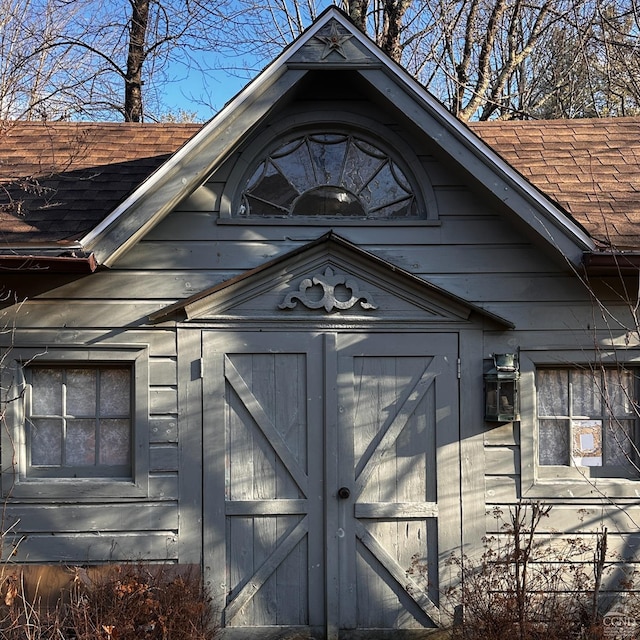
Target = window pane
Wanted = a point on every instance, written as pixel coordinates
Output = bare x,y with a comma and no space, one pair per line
295,163
81,443
115,442
553,392
295,179
328,159
401,209
383,189
619,443
274,188
46,442
587,390
360,167
115,392
619,395
553,445
46,391
81,392
328,201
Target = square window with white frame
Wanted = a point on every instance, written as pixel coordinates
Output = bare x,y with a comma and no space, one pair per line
588,418
78,420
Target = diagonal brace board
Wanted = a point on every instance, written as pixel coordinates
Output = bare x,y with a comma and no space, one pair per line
397,424
257,580
404,580
266,425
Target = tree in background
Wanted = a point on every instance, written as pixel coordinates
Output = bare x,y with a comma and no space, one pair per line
98,59
32,81
484,59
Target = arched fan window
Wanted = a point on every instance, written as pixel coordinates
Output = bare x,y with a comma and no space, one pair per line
330,175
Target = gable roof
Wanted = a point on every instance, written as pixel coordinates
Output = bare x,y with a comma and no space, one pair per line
111,183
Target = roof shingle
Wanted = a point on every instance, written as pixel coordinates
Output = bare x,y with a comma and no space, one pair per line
61,179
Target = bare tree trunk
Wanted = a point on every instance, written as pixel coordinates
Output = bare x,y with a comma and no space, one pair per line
394,11
357,10
133,80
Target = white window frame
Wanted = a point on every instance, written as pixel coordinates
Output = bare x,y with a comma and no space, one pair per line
556,481
16,481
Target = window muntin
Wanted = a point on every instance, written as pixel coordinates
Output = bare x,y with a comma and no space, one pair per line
79,421
588,418
330,175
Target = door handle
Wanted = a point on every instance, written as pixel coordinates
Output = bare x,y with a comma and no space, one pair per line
343,493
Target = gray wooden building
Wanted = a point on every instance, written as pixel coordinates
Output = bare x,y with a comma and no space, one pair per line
260,346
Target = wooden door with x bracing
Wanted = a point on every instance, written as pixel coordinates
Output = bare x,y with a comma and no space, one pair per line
326,489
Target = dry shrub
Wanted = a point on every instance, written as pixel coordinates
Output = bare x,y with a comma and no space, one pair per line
526,586
123,602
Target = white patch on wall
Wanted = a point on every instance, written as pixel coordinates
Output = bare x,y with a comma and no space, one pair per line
587,443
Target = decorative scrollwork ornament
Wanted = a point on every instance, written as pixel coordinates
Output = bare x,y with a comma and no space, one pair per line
329,301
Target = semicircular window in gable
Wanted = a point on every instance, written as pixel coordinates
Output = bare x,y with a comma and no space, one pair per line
329,175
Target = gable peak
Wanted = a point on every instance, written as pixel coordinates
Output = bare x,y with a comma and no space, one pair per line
332,39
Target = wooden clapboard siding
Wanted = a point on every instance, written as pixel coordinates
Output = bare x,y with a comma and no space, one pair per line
136,284
170,285
100,519
95,548
582,523
163,429
232,256
163,371
161,342
582,519
502,490
173,284
118,529
501,460
81,314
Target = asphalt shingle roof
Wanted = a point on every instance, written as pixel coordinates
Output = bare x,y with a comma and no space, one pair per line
589,167
58,180
61,179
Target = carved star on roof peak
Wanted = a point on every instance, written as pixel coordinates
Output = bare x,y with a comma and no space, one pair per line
333,41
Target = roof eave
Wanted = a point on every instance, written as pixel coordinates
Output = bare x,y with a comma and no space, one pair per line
42,263
611,263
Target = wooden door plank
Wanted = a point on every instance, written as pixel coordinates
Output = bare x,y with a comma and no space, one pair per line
270,564
331,475
266,425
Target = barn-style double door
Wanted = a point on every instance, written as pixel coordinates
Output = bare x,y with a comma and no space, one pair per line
331,479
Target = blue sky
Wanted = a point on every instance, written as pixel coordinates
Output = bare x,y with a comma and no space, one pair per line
206,93
194,91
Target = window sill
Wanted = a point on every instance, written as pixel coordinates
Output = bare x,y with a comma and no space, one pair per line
76,488
585,487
